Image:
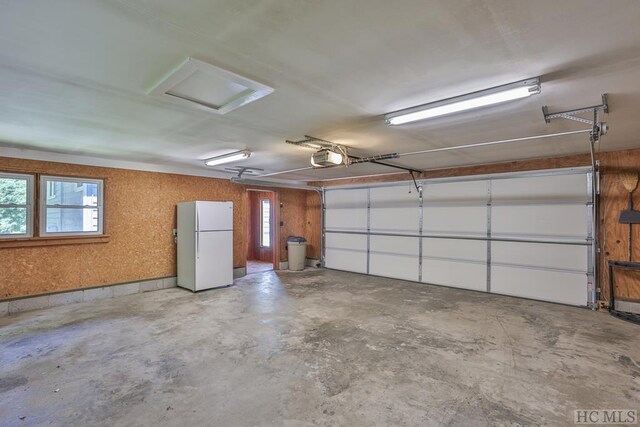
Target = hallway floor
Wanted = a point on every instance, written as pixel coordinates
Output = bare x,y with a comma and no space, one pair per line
254,266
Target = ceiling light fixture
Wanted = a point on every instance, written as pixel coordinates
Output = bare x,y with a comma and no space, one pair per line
227,158
483,98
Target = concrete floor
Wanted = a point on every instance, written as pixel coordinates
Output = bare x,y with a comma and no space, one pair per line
314,348
254,266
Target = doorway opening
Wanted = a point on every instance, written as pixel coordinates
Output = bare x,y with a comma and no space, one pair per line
262,240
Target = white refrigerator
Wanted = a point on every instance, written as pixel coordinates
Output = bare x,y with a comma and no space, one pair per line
205,245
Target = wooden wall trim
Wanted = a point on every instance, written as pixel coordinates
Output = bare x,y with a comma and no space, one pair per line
514,166
34,242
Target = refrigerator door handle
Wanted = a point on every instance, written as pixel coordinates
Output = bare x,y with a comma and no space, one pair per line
197,233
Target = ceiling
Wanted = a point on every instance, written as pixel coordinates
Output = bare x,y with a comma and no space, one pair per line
74,77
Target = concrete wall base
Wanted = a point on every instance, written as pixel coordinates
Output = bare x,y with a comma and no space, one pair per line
239,272
20,305
628,306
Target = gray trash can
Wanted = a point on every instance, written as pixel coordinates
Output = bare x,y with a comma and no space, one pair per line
297,248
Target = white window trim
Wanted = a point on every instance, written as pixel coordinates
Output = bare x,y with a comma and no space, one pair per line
29,205
43,206
262,245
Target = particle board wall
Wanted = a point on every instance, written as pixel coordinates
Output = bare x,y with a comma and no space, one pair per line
292,205
312,227
140,214
613,236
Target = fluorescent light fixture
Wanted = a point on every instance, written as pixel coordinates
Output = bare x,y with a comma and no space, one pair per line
228,158
483,98
324,158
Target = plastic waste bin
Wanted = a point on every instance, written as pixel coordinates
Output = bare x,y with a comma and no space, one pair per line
297,248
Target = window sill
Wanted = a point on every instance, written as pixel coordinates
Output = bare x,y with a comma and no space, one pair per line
32,242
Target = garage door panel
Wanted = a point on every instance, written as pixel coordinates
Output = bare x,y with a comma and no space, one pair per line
555,221
456,274
346,252
455,221
546,285
455,249
409,246
563,188
455,262
467,192
394,266
346,210
563,257
394,220
396,257
394,209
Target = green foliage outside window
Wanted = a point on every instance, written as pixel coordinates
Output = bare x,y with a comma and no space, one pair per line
13,219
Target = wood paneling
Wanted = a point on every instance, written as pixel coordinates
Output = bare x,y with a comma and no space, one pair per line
312,225
140,214
292,214
525,165
614,237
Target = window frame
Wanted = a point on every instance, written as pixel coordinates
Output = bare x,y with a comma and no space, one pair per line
262,202
29,206
42,206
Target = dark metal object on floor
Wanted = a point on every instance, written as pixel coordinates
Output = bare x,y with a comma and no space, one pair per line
625,265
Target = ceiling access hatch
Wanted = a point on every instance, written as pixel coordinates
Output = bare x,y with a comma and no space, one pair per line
205,86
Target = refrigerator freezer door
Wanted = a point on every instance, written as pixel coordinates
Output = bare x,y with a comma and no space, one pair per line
214,259
214,216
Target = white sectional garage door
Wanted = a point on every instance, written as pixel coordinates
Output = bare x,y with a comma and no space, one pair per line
524,234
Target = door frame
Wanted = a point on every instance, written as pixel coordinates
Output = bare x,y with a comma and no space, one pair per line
275,221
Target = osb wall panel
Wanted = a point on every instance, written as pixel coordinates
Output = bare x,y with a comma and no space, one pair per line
313,225
613,236
140,214
293,216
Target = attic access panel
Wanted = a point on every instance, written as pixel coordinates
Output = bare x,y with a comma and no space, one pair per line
205,86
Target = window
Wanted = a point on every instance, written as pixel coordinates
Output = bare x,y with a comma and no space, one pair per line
16,205
265,224
73,206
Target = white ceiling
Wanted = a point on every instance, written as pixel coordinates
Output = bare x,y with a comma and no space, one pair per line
74,77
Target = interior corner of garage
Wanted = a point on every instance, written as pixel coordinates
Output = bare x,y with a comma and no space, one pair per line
345,213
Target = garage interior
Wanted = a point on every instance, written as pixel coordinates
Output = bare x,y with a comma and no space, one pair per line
433,219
